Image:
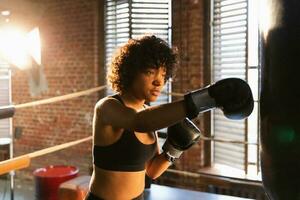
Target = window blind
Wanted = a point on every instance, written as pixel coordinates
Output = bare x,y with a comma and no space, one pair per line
229,59
125,19
5,99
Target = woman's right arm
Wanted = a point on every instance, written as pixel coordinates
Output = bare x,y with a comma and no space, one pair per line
232,95
112,112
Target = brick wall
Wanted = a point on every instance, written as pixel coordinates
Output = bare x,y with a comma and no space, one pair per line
70,35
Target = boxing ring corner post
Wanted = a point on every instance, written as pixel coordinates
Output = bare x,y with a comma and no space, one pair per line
7,111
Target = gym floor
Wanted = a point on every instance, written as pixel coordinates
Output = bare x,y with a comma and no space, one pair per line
23,190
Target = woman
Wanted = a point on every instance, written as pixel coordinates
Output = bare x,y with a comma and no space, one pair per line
125,145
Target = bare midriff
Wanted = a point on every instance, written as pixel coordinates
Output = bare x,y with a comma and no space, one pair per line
116,184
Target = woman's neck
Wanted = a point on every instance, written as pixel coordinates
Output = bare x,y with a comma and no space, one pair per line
132,100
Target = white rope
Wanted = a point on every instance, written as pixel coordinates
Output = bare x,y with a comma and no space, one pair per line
60,98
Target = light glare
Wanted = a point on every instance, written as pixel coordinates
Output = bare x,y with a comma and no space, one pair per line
19,48
33,44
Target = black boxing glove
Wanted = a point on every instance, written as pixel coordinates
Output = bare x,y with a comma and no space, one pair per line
181,137
232,95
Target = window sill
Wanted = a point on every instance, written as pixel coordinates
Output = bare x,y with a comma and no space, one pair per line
223,171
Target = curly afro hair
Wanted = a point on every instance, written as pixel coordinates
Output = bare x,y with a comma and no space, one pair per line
136,56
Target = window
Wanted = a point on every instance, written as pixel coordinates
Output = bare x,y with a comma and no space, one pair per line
5,99
127,19
235,54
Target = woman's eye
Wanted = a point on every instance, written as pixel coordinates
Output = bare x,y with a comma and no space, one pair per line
150,72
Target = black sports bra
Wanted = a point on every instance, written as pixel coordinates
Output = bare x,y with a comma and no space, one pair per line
126,154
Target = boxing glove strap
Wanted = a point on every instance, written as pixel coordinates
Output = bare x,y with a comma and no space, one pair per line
198,101
171,150
169,157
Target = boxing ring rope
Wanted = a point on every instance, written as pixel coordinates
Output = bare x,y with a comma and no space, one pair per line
60,98
23,161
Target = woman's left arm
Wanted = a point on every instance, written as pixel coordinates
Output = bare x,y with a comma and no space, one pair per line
181,136
158,164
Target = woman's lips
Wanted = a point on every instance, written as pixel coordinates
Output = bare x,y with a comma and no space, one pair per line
155,92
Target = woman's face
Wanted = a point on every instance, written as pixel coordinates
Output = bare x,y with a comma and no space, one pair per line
149,84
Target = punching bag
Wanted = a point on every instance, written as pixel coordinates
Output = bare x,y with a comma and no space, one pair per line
280,101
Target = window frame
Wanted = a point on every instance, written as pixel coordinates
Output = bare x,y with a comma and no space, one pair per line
216,168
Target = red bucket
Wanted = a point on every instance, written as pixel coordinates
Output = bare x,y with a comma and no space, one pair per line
48,179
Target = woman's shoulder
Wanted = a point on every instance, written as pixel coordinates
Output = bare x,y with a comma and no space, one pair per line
111,111
107,102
